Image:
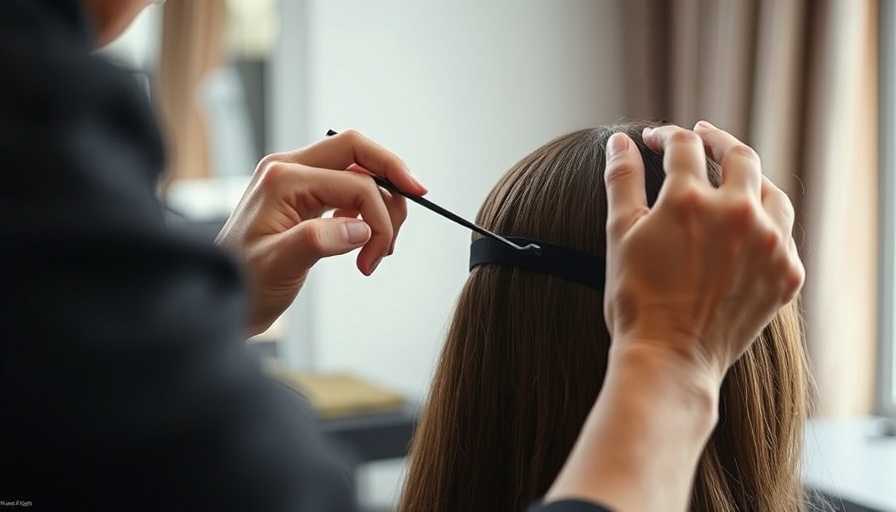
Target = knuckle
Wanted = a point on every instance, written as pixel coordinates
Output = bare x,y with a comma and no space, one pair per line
791,246
773,242
741,214
799,277
368,192
743,151
690,201
316,240
788,213
793,278
616,226
273,172
400,211
682,136
361,181
619,171
265,162
387,231
371,195
352,135
786,205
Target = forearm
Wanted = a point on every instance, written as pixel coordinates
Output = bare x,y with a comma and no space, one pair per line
639,447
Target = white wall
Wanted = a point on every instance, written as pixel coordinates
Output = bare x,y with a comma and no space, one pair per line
138,47
461,90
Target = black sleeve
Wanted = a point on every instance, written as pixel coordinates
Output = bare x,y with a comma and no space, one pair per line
568,506
124,380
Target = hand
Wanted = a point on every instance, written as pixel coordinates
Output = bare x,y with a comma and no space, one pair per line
702,272
277,231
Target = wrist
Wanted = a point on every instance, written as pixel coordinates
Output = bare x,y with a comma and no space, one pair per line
681,349
676,376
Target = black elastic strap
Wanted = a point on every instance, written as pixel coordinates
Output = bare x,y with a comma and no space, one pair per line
551,259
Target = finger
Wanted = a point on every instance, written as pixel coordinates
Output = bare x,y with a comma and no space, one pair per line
311,240
349,191
395,203
778,207
351,147
398,211
683,155
780,210
358,169
741,168
348,214
793,275
624,177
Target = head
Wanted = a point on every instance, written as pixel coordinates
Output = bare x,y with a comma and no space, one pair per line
111,17
526,354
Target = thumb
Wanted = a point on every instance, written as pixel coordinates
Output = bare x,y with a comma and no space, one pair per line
624,178
314,239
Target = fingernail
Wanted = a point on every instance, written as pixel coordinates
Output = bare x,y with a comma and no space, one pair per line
356,232
704,124
375,264
617,144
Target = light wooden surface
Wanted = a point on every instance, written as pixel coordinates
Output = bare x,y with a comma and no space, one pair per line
337,395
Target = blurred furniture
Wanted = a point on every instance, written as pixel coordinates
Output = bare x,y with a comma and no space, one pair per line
372,437
368,422
853,461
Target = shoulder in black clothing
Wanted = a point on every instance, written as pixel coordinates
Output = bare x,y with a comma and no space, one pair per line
569,506
124,381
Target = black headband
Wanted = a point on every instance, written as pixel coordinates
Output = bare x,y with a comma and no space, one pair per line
553,260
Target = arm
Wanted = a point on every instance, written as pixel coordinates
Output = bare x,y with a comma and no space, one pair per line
642,436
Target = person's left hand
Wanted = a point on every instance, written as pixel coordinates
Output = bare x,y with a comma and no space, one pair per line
277,231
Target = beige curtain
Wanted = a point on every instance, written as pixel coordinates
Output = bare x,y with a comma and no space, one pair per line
192,45
840,169
796,79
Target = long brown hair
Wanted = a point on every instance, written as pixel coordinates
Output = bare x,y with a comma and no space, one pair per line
526,354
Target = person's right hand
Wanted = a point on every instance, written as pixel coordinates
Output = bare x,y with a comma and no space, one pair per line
700,273
277,230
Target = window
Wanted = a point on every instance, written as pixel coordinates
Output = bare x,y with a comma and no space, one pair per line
887,317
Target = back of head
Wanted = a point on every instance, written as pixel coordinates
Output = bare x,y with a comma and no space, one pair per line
526,354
